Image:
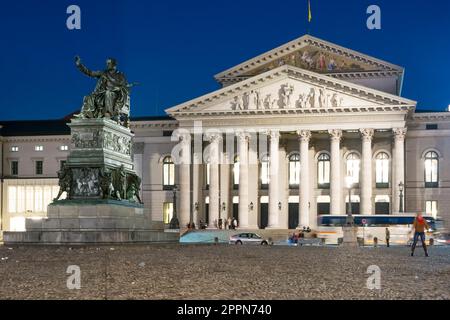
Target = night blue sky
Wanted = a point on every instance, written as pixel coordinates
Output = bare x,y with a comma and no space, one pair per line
173,48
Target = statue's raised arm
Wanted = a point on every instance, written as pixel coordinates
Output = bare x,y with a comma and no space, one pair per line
85,70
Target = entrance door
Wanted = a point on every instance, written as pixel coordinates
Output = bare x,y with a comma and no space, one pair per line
323,208
382,208
236,211
207,213
293,215
264,215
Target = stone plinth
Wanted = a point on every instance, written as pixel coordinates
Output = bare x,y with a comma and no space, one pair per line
350,236
92,222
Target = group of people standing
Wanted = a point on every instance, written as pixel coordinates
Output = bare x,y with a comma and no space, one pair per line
226,224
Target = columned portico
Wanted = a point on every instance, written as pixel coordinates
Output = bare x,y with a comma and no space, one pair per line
399,165
335,183
243,145
185,185
366,171
274,211
214,186
304,137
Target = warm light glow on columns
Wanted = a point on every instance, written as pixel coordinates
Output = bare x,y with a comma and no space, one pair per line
366,170
214,188
399,165
274,210
185,185
335,185
304,136
243,145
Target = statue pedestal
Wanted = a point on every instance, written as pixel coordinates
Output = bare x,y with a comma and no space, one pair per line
72,222
350,236
103,202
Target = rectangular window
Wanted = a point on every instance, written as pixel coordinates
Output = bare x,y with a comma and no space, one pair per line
167,133
432,127
431,208
14,168
14,149
62,163
167,212
39,148
64,148
39,167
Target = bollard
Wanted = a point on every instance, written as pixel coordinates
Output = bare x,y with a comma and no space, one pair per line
375,242
216,240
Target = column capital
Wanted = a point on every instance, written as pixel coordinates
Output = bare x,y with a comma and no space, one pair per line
274,134
304,135
213,137
336,135
367,134
243,136
399,133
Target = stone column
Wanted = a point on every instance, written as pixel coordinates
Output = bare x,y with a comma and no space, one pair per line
214,187
399,165
196,190
243,145
366,170
304,137
336,185
185,184
274,211
225,183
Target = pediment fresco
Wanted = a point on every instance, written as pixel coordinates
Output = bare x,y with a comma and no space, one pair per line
316,60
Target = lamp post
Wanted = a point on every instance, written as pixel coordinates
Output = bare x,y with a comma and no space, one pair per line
174,223
401,187
349,182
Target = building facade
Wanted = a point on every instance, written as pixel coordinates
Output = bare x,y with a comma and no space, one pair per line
274,147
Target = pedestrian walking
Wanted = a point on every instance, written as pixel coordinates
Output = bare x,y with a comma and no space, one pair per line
225,226
235,223
420,225
229,221
388,236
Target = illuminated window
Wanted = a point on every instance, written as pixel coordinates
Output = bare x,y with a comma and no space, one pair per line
167,212
382,170
265,171
431,208
168,173
236,167
431,170
39,148
14,149
64,148
208,174
14,168
323,174
353,165
294,170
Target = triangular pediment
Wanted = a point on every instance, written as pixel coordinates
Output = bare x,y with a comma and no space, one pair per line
288,89
311,54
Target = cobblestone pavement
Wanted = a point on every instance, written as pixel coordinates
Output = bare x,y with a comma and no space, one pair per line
222,272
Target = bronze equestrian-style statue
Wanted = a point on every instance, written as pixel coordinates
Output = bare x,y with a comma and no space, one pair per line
111,97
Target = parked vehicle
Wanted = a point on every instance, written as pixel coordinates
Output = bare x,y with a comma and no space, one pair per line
248,238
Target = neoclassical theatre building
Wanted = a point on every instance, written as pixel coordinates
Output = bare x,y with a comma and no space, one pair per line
301,121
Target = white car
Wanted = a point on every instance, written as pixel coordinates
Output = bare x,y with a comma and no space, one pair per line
248,238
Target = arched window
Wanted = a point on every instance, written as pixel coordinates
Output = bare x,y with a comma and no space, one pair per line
168,173
236,167
431,170
294,170
353,165
382,170
265,171
323,173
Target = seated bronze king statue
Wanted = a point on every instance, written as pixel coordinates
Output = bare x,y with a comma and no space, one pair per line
111,97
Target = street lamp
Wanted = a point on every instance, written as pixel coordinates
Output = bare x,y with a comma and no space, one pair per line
251,206
349,183
174,223
401,187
